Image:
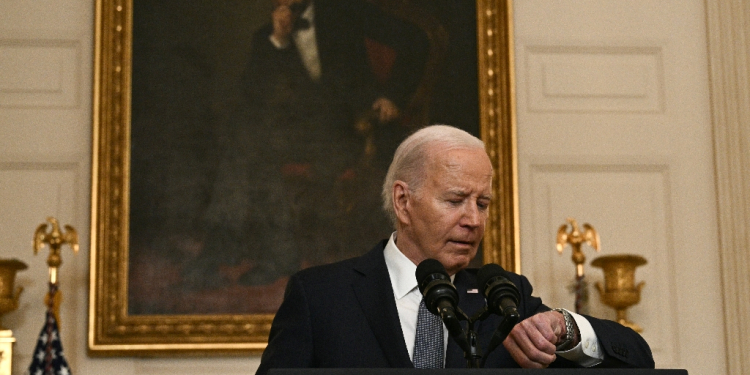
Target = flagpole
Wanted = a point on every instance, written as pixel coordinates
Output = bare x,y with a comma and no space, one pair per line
48,356
55,239
575,238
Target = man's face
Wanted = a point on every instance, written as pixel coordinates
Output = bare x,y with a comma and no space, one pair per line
445,218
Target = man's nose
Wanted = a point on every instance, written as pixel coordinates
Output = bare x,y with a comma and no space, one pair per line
472,217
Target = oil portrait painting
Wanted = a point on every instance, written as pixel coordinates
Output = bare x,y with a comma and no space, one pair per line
238,142
249,165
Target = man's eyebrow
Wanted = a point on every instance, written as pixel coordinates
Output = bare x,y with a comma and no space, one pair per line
463,193
458,192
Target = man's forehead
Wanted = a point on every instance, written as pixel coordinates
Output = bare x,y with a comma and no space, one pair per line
455,157
455,182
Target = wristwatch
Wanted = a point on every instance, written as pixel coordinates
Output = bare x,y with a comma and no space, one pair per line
570,334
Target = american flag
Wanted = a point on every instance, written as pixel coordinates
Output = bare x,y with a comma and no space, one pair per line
48,354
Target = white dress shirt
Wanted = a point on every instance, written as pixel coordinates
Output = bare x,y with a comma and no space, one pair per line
405,289
404,283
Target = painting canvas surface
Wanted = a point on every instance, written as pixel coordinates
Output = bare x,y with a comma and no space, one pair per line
246,167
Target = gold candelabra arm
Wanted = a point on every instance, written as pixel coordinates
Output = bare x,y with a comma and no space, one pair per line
600,287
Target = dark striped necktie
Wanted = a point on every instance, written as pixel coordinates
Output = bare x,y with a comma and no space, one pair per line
428,343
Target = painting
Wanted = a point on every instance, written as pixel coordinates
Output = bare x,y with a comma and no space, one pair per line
229,154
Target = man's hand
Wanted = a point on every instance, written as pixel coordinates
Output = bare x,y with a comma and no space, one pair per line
531,343
385,109
282,24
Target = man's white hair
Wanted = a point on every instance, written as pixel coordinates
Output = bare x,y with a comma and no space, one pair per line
412,154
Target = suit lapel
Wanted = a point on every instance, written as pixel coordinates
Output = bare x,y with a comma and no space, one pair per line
375,295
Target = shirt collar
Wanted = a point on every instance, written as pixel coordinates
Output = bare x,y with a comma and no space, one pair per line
400,268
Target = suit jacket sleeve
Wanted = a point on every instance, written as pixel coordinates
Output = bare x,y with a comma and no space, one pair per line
622,346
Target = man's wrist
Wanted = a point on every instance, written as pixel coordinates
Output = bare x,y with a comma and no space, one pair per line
571,336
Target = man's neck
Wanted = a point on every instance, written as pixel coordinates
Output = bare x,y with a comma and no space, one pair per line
408,248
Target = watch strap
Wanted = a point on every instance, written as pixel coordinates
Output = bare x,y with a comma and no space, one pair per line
567,341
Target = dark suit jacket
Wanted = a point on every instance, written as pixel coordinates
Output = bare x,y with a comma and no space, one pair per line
344,315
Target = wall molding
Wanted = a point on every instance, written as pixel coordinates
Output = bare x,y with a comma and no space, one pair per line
40,73
728,29
637,204
74,164
567,78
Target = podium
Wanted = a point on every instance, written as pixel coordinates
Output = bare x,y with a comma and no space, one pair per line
483,371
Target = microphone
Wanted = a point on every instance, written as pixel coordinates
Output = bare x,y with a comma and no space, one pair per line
502,299
441,297
501,294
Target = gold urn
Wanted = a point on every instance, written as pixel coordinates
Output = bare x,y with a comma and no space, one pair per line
8,295
619,290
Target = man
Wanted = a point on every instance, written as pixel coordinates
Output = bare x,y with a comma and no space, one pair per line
362,312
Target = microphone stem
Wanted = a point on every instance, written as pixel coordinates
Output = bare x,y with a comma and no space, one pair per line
473,355
510,318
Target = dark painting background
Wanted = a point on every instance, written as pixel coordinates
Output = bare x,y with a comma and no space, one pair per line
228,200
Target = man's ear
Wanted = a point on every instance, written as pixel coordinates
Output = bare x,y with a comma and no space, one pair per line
401,201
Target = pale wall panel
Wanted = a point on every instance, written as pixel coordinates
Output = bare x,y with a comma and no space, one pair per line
586,78
29,193
608,121
629,207
40,73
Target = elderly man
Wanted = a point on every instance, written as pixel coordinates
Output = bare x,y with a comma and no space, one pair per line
363,312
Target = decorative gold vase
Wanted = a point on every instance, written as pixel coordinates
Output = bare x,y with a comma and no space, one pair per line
9,296
619,290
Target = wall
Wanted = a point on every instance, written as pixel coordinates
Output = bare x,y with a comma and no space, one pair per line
45,127
728,37
614,129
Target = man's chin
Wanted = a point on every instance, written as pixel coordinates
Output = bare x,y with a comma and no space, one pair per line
457,263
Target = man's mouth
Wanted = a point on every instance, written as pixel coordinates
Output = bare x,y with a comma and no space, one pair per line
463,242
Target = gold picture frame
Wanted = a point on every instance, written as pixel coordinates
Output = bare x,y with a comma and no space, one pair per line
112,331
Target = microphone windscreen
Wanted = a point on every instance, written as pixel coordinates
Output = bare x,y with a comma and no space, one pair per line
487,273
429,267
